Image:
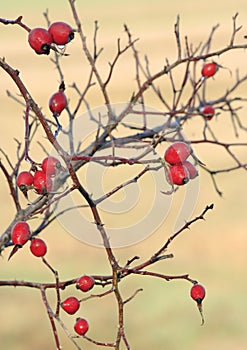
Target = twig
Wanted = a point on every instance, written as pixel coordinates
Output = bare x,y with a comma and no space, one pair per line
18,21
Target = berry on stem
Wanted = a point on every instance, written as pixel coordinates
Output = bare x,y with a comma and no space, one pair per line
81,326
38,247
85,283
198,293
58,101
20,234
191,169
178,174
207,112
209,69
70,305
177,153
50,165
62,33
40,40
41,182
24,181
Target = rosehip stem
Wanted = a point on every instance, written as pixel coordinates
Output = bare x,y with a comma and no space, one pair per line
199,305
60,52
59,126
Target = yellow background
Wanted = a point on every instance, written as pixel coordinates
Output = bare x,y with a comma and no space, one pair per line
163,316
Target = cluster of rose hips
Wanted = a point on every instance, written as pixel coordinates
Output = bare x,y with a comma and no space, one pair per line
58,33
179,173
20,235
42,179
180,169
41,41
71,304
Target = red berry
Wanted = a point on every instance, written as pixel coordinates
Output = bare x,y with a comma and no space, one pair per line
61,33
209,69
38,247
58,101
197,293
24,181
20,233
178,175
41,182
191,169
207,111
40,40
50,165
81,326
71,305
24,178
177,153
85,283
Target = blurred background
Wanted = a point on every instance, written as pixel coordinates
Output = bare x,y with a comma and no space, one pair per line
213,251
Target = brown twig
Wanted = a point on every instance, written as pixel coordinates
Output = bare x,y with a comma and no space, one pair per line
17,21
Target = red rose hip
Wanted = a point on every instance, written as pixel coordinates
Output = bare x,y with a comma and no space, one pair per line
24,181
178,175
50,165
177,153
207,112
71,305
38,247
40,40
191,169
61,33
20,233
41,182
198,293
58,101
81,326
209,69
85,283
24,178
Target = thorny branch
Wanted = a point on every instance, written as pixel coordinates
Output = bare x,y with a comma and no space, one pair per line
188,95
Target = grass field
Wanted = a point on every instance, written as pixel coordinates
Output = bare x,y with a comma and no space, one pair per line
163,316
